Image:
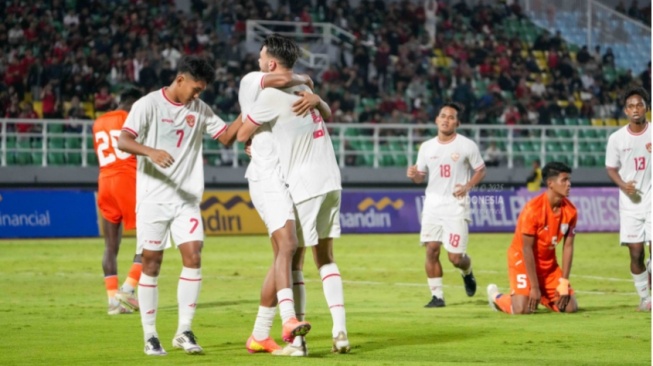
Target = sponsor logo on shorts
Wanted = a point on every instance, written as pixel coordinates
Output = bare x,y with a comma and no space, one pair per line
155,242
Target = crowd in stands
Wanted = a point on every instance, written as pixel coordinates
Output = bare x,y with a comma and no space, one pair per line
71,57
634,11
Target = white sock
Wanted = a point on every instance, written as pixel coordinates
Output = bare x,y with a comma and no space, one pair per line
297,342
126,287
263,323
467,271
335,297
148,300
286,304
641,284
436,287
299,294
188,291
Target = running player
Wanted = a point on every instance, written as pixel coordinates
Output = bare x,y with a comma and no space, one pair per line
448,159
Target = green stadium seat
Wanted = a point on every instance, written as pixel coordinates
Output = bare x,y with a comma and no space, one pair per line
56,142
89,143
37,158
552,147
23,158
74,159
55,127
386,157
584,122
585,160
56,158
91,159
537,146
571,121
401,160
567,147
600,160
74,143
556,122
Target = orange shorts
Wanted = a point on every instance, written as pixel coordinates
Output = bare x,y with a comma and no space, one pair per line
548,279
116,199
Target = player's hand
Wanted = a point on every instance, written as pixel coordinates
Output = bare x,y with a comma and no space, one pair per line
413,173
534,298
460,190
629,188
308,101
309,81
248,148
161,158
563,294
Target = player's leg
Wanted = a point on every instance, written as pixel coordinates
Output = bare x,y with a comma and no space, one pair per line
260,340
456,237
431,235
549,283
632,233
110,266
516,302
187,230
327,227
298,345
126,200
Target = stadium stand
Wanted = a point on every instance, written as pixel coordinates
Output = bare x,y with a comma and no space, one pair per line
493,58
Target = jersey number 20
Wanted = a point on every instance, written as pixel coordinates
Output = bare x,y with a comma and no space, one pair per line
104,141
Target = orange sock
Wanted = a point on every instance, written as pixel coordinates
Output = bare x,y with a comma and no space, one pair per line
111,284
134,275
504,302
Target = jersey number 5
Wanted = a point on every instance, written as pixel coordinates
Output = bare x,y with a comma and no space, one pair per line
104,141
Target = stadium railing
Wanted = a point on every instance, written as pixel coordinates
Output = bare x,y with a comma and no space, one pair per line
576,141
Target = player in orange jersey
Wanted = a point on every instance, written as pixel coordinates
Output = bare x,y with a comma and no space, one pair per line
535,276
116,199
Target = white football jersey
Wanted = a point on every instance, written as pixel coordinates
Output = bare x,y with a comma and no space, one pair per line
265,159
448,164
631,153
308,162
161,124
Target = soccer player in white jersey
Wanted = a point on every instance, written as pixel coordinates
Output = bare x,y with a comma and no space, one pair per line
448,159
628,162
164,129
273,203
311,173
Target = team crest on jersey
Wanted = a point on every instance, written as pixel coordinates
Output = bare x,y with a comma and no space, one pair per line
455,157
190,120
648,147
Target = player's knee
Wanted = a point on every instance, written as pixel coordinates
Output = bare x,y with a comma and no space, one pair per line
456,259
432,251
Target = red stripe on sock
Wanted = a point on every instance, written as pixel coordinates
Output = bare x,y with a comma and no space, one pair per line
286,300
298,283
331,275
336,306
143,285
190,279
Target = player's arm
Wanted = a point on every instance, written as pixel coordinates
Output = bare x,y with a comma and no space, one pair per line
247,129
285,80
612,165
529,261
567,259
629,188
417,172
127,143
461,191
227,138
308,101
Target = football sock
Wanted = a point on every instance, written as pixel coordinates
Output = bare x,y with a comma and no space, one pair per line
286,304
467,271
132,278
504,302
148,299
111,284
188,291
263,323
641,284
334,294
299,294
435,284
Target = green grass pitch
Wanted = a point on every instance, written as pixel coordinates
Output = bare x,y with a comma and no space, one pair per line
53,307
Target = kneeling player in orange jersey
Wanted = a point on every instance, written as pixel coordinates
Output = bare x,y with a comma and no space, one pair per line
535,276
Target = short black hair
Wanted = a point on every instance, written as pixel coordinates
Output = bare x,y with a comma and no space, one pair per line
197,67
553,169
455,105
285,50
131,94
636,90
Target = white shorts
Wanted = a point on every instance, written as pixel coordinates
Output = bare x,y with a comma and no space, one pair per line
273,202
319,218
634,227
452,232
158,223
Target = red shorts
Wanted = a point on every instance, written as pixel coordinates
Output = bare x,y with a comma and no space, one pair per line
116,199
548,279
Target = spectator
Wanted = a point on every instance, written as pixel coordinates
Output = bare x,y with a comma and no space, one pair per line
492,155
534,180
103,100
